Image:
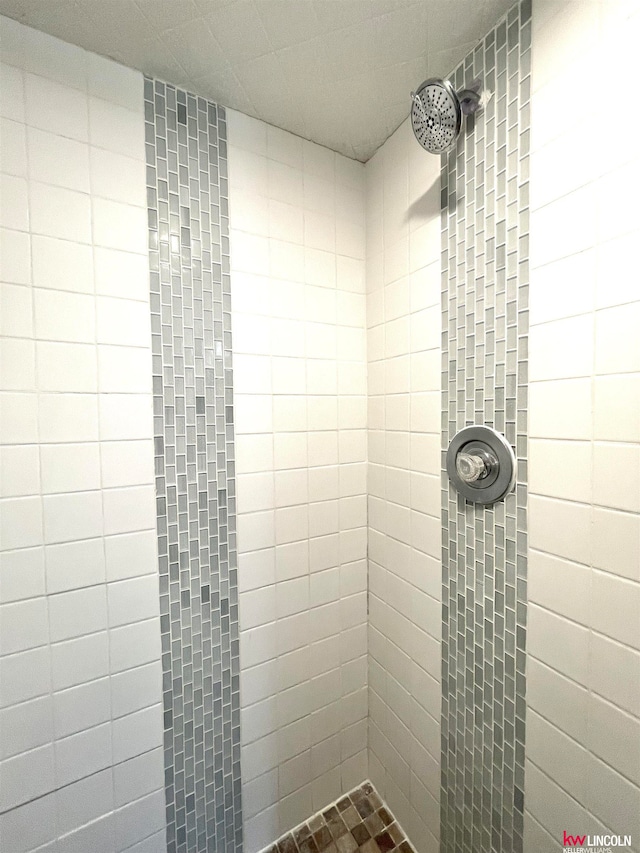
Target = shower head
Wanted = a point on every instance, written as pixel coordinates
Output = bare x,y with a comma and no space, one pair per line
437,110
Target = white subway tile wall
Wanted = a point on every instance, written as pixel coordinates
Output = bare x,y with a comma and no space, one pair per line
405,615
583,721
81,689
298,299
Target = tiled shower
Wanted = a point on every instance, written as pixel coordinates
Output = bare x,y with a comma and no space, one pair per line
242,608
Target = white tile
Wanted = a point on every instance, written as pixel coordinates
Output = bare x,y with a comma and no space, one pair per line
66,367
54,59
255,492
15,311
562,349
131,554
116,128
283,146
27,776
21,574
18,417
53,159
563,702
138,776
548,747
256,570
254,453
69,517
257,608
79,661
133,600
616,542
13,159
15,256
23,625
616,469
21,522
611,796
81,707
17,365
136,689
124,369
614,286
616,415
129,509
29,826
136,820
47,204
119,226
126,463
12,101
617,610
19,471
560,527
253,413
292,597
608,660
250,253
617,343
26,726
137,733
68,417
121,274
97,835
83,803
615,191
559,643
614,736
25,676
62,265
117,177
14,206
560,586
560,409
125,416
77,612
564,227
82,754
114,82
247,133
13,42
122,321
73,565
62,316
247,169
564,288
560,469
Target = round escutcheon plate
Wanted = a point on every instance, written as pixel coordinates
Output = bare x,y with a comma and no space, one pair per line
481,464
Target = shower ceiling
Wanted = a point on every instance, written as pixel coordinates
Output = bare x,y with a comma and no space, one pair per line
338,72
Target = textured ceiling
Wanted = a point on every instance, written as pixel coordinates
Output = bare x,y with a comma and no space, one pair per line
338,72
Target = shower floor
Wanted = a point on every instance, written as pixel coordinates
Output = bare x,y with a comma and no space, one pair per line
358,822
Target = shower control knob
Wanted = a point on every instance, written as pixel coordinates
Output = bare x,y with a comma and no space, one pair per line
481,464
470,468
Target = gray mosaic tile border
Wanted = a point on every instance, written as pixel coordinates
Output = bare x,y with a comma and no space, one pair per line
187,192
485,288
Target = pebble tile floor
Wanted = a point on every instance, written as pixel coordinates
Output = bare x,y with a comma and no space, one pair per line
359,822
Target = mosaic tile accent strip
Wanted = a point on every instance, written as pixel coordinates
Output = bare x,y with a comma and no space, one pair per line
187,192
358,822
485,289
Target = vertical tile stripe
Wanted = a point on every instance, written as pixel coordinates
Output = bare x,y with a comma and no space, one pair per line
485,287
188,195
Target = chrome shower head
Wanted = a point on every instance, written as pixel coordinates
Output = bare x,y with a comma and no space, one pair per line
437,110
